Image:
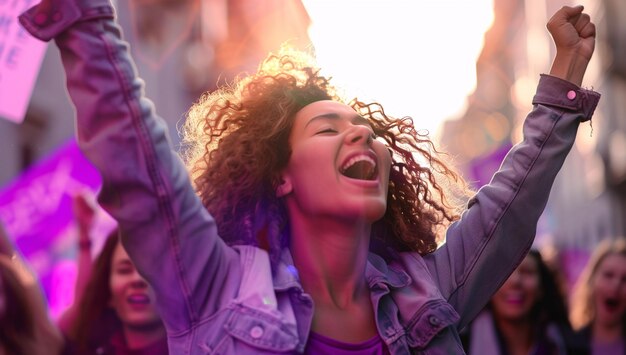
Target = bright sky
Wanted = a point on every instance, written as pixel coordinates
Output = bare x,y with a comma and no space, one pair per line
416,57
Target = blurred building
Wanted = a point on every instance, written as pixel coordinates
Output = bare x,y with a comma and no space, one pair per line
588,200
181,47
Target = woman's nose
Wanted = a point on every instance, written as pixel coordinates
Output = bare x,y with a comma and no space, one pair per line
359,134
138,281
515,278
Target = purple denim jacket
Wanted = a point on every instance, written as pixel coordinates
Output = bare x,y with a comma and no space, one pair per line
217,299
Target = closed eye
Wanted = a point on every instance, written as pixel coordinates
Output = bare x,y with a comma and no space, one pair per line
327,130
123,270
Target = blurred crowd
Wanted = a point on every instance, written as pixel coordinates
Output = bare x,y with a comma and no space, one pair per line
114,307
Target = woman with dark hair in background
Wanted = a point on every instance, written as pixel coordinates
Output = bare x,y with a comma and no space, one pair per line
598,310
527,315
317,222
117,312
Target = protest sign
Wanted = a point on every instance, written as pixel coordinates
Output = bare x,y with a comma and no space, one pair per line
36,210
20,60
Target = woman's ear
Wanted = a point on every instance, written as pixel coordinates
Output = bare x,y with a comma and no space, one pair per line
284,188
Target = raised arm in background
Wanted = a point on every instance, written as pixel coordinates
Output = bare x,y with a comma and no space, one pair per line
84,217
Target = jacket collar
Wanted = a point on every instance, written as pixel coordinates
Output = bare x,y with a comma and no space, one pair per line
377,273
286,275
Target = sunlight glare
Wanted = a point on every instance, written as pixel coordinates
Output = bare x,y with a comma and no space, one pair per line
417,58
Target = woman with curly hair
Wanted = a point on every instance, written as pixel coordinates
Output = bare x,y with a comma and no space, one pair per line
598,309
317,220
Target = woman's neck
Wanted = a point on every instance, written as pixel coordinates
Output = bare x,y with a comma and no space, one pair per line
331,256
517,335
606,332
140,337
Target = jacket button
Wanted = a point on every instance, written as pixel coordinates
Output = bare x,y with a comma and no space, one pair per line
571,94
40,19
256,332
434,321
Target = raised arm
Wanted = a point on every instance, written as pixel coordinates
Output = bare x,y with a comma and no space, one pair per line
169,235
84,215
575,38
498,228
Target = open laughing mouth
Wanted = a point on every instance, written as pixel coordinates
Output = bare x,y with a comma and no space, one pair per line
138,299
360,167
612,304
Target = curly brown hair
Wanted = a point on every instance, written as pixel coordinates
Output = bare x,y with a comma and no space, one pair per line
236,143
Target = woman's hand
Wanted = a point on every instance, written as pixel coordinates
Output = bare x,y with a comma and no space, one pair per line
575,37
84,214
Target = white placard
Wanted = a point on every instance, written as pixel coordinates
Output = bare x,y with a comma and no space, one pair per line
20,60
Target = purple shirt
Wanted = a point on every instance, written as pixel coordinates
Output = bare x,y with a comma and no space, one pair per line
319,344
616,347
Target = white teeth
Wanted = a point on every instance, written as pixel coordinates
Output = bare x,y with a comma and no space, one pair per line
357,159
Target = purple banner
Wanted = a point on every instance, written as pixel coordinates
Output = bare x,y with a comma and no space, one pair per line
572,262
483,168
37,206
36,210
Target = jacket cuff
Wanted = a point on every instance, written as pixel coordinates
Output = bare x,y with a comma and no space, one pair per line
553,91
51,17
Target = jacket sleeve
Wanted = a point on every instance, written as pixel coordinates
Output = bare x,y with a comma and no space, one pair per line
497,229
168,233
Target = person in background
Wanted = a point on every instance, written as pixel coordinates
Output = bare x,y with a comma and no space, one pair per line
25,325
527,315
116,313
316,223
84,216
598,303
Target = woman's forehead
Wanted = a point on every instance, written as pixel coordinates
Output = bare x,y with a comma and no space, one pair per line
327,110
612,260
119,253
324,107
